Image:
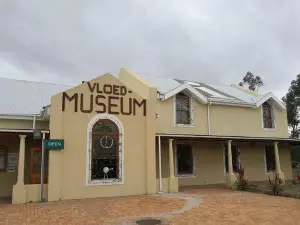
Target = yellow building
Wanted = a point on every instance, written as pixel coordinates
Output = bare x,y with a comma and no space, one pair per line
132,134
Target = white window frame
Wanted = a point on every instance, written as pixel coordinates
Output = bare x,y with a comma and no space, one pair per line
193,174
265,160
273,117
224,156
191,112
120,180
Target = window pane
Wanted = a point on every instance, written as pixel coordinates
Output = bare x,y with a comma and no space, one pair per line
2,162
105,126
3,153
104,155
270,158
182,109
235,158
185,162
226,160
267,116
182,117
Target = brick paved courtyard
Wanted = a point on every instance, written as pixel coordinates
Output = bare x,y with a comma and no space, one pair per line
215,206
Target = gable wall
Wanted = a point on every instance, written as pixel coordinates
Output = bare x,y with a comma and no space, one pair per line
68,168
224,120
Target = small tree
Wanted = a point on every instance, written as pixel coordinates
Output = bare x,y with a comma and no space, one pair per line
253,82
292,102
275,186
241,183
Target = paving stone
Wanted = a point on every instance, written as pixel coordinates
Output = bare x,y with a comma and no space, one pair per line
191,206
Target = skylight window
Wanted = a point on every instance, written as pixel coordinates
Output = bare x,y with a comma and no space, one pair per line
192,83
213,93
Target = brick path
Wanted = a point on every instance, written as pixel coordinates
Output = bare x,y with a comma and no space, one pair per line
217,206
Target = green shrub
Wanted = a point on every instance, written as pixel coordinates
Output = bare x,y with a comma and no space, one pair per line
295,182
275,186
241,184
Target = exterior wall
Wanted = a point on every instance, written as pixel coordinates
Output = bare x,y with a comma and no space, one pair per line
23,124
253,160
8,179
165,122
165,185
68,168
210,163
33,192
239,121
224,120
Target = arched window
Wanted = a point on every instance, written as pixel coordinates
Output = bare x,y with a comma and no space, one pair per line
105,150
268,116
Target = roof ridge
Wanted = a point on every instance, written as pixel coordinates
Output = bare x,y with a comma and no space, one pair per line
40,82
141,74
255,93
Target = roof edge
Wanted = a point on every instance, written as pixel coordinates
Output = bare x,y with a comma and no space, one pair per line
188,87
268,96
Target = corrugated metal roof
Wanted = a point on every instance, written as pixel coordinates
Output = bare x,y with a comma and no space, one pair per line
163,84
221,93
19,97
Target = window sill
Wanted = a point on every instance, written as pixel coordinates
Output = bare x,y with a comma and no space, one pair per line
103,182
270,129
236,173
269,173
186,176
184,125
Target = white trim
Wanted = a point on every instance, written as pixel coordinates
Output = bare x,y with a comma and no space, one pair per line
159,165
193,174
21,131
273,117
119,180
191,110
182,87
228,137
215,102
208,118
224,157
268,96
21,117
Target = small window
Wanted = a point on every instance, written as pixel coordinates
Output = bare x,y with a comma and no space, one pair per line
185,159
268,116
3,159
270,158
235,158
183,109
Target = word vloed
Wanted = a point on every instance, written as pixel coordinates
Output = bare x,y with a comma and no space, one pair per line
106,99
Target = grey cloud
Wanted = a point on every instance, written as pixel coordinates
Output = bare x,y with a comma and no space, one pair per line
212,41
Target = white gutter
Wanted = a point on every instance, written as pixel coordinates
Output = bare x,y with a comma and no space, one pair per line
42,169
208,117
228,137
21,131
33,126
159,164
213,101
20,117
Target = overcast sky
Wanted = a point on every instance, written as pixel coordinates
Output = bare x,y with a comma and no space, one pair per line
210,41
